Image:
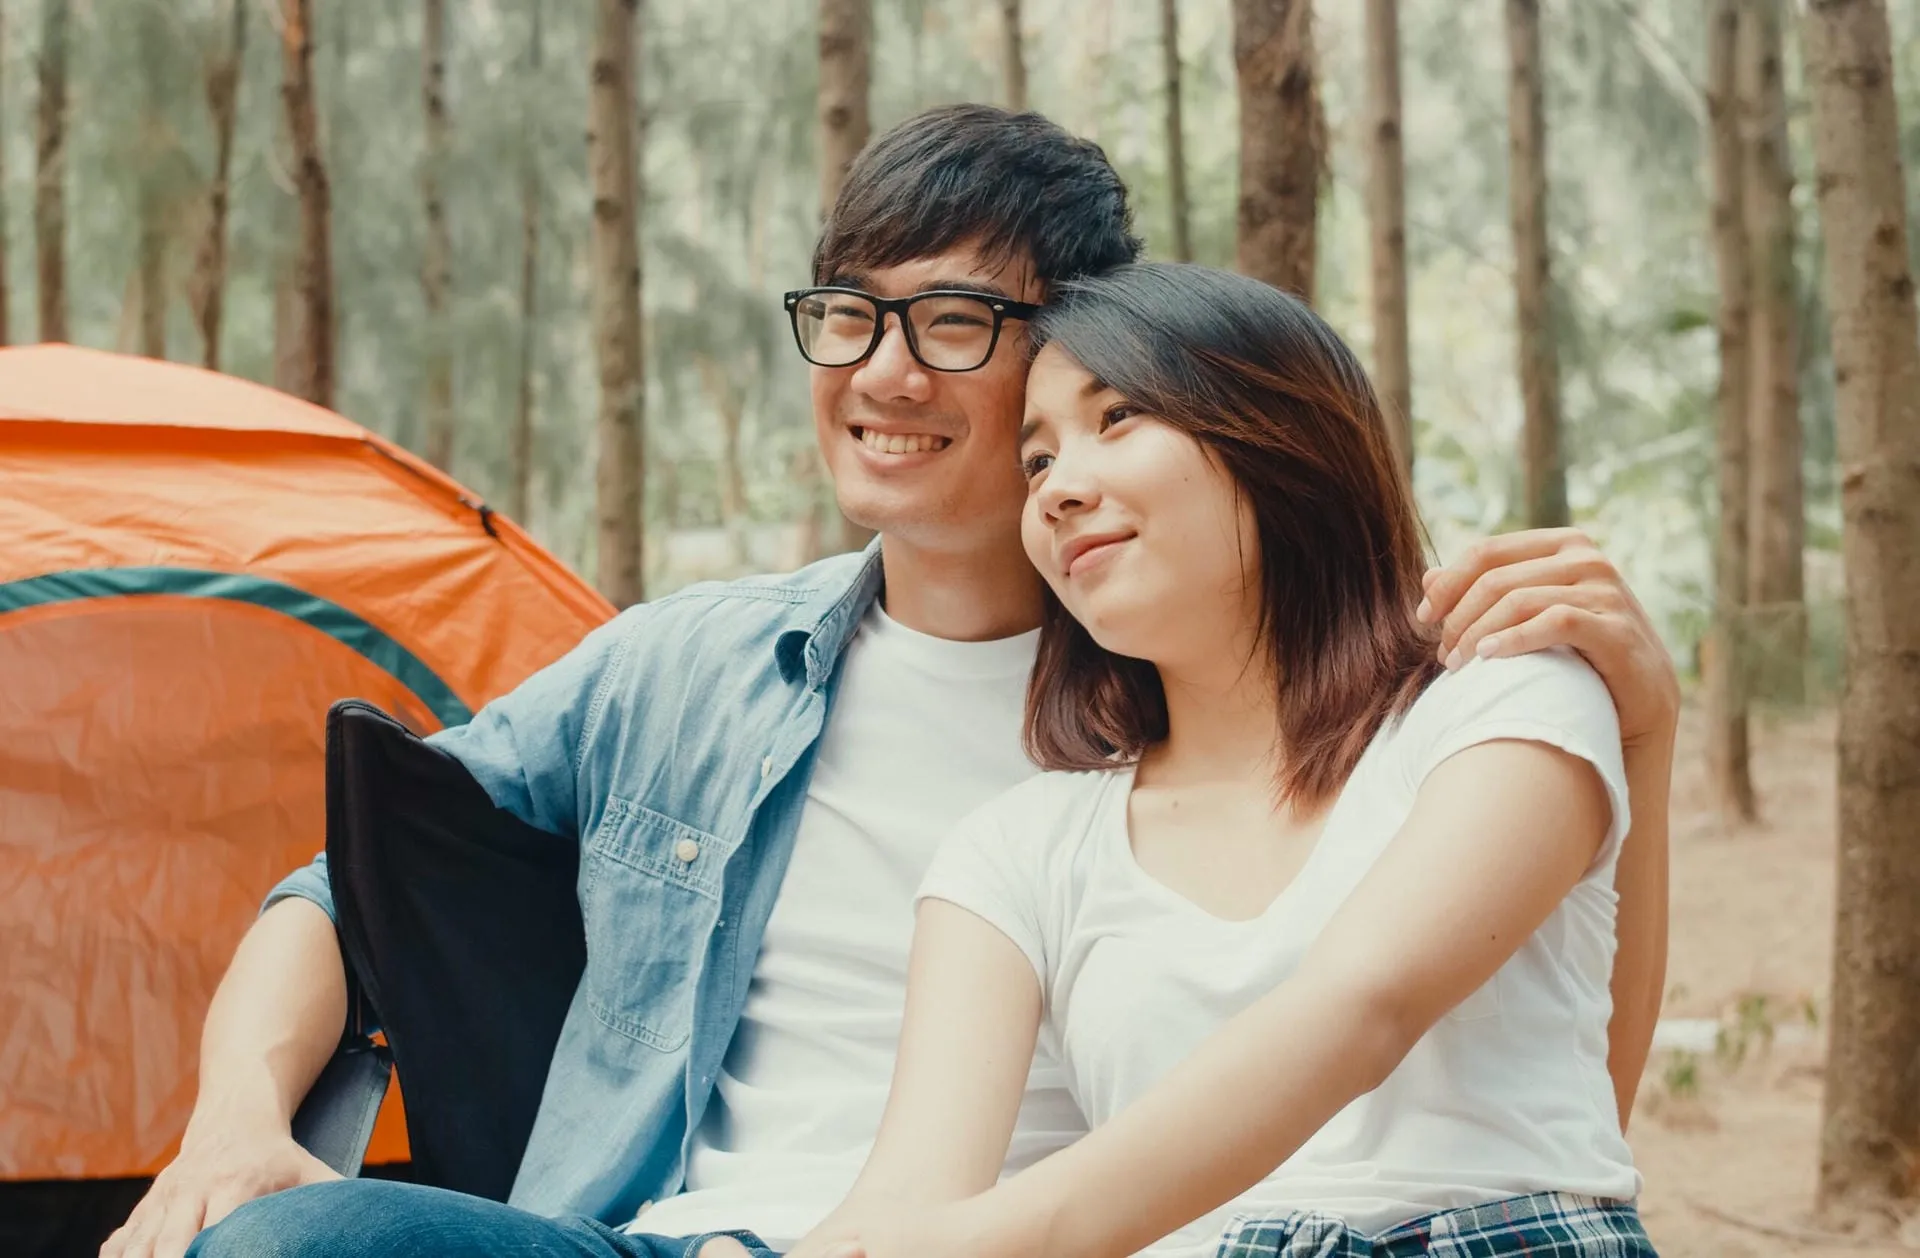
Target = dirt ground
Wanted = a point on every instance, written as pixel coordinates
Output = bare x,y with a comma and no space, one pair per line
1731,1131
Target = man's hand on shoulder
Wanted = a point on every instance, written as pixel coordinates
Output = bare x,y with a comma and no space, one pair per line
1522,592
212,1176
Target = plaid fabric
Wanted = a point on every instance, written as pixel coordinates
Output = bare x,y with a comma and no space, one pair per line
1546,1225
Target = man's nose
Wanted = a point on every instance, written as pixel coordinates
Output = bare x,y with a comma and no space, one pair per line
891,371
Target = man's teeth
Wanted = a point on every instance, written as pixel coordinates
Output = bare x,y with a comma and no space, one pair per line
901,443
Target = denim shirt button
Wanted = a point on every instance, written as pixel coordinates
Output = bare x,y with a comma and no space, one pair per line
686,850
766,768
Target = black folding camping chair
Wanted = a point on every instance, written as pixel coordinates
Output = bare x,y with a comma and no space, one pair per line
461,930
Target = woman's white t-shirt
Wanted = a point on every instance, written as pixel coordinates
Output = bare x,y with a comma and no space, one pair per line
1507,1095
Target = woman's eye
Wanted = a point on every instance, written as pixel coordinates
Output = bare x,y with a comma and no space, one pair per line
1034,464
1115,413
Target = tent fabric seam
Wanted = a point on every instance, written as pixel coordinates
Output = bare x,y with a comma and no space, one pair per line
337,622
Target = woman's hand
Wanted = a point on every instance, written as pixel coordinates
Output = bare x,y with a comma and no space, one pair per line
1522,592
974,1228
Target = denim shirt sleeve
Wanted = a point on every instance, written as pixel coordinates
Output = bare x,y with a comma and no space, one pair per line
523,748
309,882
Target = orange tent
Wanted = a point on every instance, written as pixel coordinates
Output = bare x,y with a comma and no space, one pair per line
192,568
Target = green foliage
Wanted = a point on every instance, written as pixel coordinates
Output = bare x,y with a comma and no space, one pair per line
731,210
1755,1021
1680,1076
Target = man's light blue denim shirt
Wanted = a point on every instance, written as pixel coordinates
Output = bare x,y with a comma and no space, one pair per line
674,744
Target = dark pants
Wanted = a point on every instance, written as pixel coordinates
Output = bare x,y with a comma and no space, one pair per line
367,1218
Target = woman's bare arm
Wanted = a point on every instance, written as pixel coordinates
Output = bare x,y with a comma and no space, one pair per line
1473,851
966,1047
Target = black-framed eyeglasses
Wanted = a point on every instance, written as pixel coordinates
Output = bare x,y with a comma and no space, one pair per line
946,329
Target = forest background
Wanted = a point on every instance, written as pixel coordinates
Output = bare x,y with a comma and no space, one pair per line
730,206
416,212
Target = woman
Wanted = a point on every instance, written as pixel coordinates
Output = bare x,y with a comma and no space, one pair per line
1321,934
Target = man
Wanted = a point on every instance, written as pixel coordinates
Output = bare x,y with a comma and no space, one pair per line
757,774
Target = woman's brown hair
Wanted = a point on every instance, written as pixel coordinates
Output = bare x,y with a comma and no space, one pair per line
1268,390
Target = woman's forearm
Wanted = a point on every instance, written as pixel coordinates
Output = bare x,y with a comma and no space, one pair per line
1216,1125
1261,1085
1640,880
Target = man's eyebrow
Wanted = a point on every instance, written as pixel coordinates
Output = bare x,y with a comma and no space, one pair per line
853,279
982,287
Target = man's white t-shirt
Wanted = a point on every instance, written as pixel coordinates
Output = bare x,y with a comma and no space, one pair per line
1508,1095
923,731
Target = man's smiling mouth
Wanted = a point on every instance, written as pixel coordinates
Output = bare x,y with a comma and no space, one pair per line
900,442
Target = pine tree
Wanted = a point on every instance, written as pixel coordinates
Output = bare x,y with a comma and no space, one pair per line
1283,141
1387,220
1542,461
613,145
1872,1120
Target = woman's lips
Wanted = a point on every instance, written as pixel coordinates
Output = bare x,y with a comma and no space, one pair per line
1082,553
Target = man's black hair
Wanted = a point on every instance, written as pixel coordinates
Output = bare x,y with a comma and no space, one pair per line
1016,185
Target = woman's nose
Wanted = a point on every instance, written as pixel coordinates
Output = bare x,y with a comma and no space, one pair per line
1068,489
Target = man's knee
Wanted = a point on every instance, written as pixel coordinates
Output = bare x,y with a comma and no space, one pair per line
337,1219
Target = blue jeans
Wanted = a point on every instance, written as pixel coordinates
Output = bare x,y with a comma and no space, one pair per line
370,1218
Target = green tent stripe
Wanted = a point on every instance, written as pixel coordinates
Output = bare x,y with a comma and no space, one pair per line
329,618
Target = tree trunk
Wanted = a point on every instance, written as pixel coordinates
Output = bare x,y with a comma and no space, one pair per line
1775,586
5,292
436,262
1176,132
151,285
207,290
725,396
1013,61
312,269
50,173
521,500
1387,219
1283,141
1544,469
612,154
1725,660
846,48
289,336
1872,1121
150,268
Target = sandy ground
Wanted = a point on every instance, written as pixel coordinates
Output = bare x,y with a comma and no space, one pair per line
1725,1133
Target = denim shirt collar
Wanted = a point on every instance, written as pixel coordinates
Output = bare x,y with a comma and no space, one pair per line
824,622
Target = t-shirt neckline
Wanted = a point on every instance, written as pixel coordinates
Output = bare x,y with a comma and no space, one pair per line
951,658
1119,833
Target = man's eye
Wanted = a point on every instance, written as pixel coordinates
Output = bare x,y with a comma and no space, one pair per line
1034,464
850,312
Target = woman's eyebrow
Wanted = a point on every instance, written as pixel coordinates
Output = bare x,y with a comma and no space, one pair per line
1032,426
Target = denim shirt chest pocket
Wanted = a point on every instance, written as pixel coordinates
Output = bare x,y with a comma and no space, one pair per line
650,895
